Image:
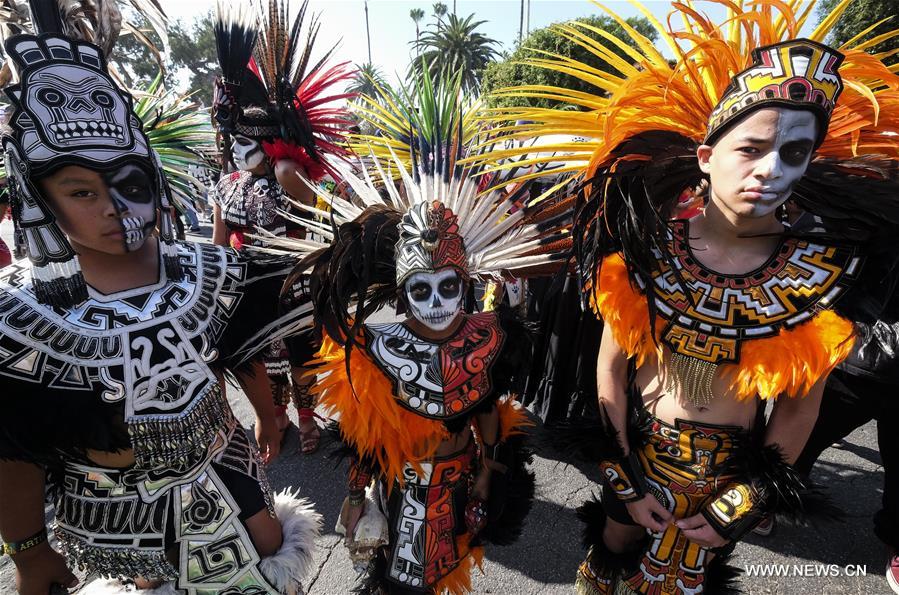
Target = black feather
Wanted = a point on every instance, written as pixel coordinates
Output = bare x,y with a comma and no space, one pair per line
627,205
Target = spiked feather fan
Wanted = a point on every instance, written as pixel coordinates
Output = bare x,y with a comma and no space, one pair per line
651,92
504,232
178,132
415,115
301,89
236,30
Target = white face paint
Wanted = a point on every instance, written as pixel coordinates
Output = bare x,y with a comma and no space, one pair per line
754,165
133,195
435,299
246,152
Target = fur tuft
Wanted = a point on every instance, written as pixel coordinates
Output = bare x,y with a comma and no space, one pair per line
781,489
722,578
603,560
300,525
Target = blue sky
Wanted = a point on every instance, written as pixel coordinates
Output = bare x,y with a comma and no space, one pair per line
392,29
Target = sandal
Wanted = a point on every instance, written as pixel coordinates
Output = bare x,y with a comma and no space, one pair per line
309,438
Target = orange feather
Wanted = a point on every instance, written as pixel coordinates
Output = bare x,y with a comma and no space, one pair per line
371,420
789,363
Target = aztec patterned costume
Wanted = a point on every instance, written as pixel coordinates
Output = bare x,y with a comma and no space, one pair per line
771,332
416,413
278,113
140,369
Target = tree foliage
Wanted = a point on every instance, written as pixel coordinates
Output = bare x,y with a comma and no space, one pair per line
858,16
454,44
192,52
368,80
510,72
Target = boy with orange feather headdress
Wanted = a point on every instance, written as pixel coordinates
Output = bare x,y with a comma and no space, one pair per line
707,318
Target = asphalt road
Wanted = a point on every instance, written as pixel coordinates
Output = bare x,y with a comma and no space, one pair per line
545,559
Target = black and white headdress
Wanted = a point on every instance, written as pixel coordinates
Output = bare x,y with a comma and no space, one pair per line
68,111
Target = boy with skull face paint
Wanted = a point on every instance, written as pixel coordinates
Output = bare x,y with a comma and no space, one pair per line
706,318
275,139
114,345
424,404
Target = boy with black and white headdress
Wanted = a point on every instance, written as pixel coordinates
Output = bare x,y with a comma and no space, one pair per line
113,347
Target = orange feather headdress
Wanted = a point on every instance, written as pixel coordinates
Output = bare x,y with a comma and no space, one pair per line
646,120
650,92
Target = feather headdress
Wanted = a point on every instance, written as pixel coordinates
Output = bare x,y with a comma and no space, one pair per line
69,111
645,122
267,62
96,21
649,92
368,234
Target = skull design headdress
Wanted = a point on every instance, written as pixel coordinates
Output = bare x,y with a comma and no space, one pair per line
68,111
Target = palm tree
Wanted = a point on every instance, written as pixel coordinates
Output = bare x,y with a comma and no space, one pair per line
367,32
520,22
439,10
417,14
368,81
453,46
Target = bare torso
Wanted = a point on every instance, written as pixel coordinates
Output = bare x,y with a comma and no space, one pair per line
724,409
730,256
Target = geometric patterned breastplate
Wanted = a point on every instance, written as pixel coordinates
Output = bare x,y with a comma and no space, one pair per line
438,380
148,347
718,312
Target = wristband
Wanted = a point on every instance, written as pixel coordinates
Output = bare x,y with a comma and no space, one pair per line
625,476
359,477
356,498
734,512
11,548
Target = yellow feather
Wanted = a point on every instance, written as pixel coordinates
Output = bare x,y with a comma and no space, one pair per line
829,21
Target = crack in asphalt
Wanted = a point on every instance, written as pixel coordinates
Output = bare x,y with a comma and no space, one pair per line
322,565
574,493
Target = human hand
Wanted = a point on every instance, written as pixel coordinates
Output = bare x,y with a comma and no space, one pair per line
649,513
698,530
351,515
39,568
268,438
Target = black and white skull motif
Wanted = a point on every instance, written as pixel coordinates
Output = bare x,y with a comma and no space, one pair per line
134,196
74,107
264,207
435,298
247,153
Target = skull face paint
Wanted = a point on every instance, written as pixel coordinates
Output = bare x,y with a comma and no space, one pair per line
133,195
246,152
435,299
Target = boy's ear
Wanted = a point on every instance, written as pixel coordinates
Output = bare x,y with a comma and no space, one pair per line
704,156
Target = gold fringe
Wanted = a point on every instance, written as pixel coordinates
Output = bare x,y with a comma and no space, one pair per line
690,377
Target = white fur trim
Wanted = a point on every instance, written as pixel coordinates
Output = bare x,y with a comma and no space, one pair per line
300,525
286,569
103,586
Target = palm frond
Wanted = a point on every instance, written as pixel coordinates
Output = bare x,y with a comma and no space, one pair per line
179,131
